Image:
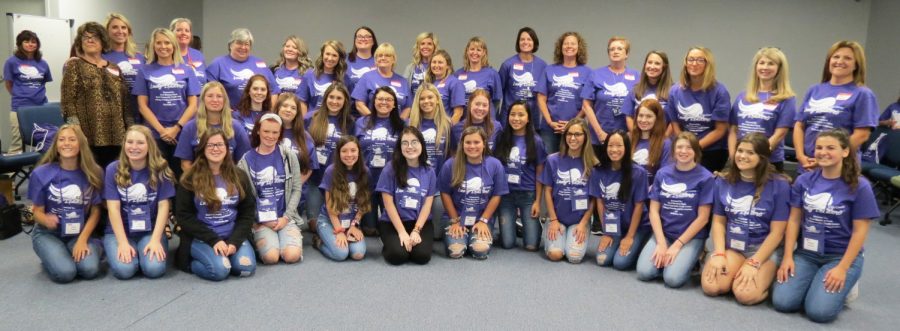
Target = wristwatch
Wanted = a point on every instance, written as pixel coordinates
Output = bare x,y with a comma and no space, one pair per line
483,220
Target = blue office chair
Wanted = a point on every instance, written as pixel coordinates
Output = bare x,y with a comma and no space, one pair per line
22,164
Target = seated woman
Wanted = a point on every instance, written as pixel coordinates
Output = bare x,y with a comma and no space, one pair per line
65,189
749,216
215,207
408,186
347,199
137,190
275,174
680,201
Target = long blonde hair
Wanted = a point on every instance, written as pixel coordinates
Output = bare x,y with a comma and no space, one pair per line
202,125
130,46
441,120
709,71
417,56
168,34
86,162
588,158
302,54
156,164
781,86
460,160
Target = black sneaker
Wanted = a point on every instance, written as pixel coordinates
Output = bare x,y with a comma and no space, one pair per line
596,228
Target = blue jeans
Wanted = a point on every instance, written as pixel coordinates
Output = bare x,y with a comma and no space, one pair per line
611,256
520,201
806,289
150,268
56,256
679,272
314,201
551,140
457,247
573,251
330,248
206,264
439,218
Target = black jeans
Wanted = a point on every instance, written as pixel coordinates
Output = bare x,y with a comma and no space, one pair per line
714,160
393,251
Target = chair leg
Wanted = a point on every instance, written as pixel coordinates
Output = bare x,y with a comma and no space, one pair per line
887,216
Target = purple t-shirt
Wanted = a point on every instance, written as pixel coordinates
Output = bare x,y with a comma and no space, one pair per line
323,153
698,111
571,190
288,141
312,89
221,221
234,75
829,208
348,214
453,93
486,79
483,181
167,89
417,77
562,86
641,156
520,174
605,185
519,78
195,60
892,111
356,69
434,145
748,222
763,117
827,106
64,193
376,144
188,141
420,184
268,177
680,194
609,91
129,66
139,202
288,80
247,122
457,130
631,101
28,78
365,89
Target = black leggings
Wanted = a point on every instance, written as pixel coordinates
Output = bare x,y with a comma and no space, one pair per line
104,155
395,254
714,160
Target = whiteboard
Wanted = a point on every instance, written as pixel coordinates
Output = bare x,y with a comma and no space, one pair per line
56,40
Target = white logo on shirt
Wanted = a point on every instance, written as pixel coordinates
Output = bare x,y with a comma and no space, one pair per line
243,74
134,193
752,111
357,73
320,89
68,194
127,68
30,72
571,177
473,185
821,106
287,82
694,112
164,81
470,86
617,90
641,156
266,176
564,81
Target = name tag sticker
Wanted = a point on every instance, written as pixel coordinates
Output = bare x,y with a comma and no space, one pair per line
629,77
512,179
518,66
463,77
844,96
260,64
178,71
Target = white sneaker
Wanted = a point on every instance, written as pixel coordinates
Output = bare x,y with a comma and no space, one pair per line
853,295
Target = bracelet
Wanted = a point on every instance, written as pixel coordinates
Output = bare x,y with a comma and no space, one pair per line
722,254
679,240
336,231
754,263
417,230
179,125
454,221
483,220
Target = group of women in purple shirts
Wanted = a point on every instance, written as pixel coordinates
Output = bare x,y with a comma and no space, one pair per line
670,168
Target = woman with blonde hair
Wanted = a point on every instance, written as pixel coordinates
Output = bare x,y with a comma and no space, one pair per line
383,76
123,52
429,117
65,189
293,62
423,50
477,74
138,188
767,106
213,112
559,90
192,57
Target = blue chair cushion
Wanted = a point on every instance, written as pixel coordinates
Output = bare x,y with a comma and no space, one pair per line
883,173
11,163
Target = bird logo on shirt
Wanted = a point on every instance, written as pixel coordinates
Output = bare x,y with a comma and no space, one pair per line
821,202
351,187
677,190
740,205
752,111
430,135
567,81
358,72
289,83
320,88
610,191
223,196
523,80
243,74
135,193
412,185
821,106
30,72
379,134
736,229
694,112
570,177
69,194
473,185
470,86
127,68
514,154
641,156
164,81
616,90
266,176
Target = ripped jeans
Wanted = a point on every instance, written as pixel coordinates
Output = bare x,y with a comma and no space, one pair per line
206,264
567,244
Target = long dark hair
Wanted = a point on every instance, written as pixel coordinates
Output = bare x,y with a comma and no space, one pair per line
340,189
764,169
22,37
200,180
352,55
318,126
396,122
850,170
399,161
245,102
625,164
505,142
297,128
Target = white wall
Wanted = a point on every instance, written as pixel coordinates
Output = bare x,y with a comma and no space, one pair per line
882,51
734,30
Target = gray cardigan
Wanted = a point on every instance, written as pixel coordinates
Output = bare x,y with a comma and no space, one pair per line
292,183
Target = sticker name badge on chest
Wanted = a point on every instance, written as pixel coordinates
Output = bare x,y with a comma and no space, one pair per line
813,237
737,236
612,222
